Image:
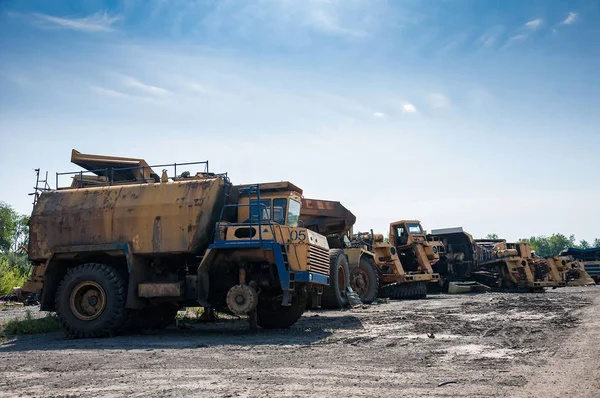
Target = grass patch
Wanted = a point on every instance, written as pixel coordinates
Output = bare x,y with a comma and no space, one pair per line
29,325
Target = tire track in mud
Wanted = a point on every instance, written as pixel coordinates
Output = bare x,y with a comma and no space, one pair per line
491,344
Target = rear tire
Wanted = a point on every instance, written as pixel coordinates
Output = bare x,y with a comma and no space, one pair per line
272,315
364,280
335,295
90,301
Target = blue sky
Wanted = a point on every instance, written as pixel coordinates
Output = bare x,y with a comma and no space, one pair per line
473,113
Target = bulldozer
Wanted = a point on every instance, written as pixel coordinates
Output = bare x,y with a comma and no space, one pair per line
122,247
372,268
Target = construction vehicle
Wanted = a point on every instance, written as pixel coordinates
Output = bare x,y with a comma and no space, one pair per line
417,254
372,268
492,262
571,270
122,247
589,259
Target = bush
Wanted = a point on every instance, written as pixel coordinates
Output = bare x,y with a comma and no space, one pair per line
10,275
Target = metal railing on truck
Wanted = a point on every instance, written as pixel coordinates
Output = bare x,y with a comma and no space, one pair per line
249,191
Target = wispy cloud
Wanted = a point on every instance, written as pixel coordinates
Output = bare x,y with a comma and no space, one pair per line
328,22
438,101
379,115
98,22
146,88
409,108
108,92
571,19
515,39
535,24
491,37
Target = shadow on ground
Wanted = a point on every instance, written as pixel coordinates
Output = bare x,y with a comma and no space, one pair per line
308,330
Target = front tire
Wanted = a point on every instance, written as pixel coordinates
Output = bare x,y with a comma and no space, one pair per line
272,315
335,295
90,301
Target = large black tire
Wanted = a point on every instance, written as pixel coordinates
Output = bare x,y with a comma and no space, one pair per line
405,291
335,295
364,280
272,315
80,316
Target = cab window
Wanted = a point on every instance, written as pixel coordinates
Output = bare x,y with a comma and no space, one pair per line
293,213
264,210
279,210
414,229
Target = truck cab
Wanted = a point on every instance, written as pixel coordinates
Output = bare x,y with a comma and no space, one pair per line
416,252
262,255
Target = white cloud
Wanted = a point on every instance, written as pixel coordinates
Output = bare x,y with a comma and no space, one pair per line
409,108
98,22
489,38
136,84
571,19
535,24
108,92
438,100
514,39
379,114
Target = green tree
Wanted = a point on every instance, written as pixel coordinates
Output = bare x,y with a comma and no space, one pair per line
597,242
491,236
545,246
583,244
8,227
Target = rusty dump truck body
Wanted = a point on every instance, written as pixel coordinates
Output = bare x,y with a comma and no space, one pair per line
155,219
123,247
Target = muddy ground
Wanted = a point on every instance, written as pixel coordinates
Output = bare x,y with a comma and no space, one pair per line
486,345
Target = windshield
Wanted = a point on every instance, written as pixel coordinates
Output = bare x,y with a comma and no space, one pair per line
414,229
279,207
293,213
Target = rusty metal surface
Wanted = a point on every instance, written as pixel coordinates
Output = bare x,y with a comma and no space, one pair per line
160,289
139,168
154,218
326,217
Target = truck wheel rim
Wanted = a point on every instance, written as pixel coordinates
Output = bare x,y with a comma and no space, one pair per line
359,281
87,300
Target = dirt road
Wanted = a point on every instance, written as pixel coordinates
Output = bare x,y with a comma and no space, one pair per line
487,345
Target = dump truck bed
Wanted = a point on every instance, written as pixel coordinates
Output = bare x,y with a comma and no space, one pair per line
156,218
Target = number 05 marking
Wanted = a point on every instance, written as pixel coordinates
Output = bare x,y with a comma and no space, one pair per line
297,235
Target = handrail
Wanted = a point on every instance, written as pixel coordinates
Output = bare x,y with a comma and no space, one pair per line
109,173
248,191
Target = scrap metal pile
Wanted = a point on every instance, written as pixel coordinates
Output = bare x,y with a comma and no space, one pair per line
121,247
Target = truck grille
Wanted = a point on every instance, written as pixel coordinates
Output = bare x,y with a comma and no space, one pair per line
318,260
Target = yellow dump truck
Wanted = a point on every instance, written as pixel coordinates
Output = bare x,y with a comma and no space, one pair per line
124,247
371,267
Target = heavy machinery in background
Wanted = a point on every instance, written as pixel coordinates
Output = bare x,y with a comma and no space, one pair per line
372,268
589,259
124,248
417,254
492,262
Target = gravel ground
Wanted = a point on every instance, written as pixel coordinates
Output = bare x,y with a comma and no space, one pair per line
485,345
